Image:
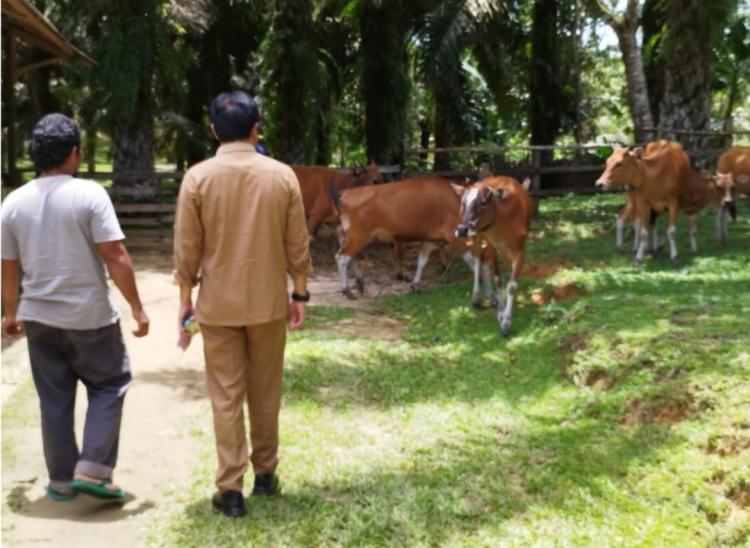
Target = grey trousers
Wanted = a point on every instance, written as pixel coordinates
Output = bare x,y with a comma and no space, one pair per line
59,359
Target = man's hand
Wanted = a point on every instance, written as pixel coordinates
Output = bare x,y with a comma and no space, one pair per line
186,310
141,318
295,314
12,328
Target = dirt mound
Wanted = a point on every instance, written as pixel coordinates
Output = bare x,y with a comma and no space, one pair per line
599,379
544,270
370,326
740,494
663,410
557,293
727,445
573,343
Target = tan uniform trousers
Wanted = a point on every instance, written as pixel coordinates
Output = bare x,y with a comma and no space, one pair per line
244,362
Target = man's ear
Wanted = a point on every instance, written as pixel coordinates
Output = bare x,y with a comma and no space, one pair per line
458,189
213,132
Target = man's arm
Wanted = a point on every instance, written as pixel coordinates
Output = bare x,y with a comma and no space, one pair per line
120,269
296,243
10,278
188,252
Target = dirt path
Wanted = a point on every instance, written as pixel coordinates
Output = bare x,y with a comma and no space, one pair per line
157,452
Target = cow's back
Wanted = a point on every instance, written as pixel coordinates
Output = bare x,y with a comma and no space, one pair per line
422,208
665,169
735,160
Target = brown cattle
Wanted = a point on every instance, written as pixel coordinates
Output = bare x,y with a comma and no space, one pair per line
316,182
736,161
418,209
657,176
499,209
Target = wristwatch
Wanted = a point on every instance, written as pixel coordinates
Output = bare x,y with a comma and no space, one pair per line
302,298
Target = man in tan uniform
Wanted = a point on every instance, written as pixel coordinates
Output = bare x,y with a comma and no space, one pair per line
240,228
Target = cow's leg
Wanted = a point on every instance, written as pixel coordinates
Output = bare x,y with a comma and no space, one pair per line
504,313
619,238
476,291
671,232
692,222
622,217
424,256
359,279
636,234
398,250
724,230
350,246
643,240
491,269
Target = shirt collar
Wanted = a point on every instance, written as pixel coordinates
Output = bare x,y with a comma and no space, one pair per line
235,146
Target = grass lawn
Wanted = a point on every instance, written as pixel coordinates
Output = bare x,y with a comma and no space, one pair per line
617,416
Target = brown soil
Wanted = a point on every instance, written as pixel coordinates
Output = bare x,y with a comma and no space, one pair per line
663,410
599,380
573,343
732,444
544,270
740,494
559,293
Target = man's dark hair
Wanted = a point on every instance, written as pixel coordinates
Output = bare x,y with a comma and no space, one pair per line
54,136
233,115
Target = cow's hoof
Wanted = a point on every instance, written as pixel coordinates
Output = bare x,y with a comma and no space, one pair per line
494,302
476,304
414,288
349,294
361,286
675,261
505,329
637,261
400,277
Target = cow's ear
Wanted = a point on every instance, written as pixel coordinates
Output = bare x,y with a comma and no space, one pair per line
458,189
498,194
526,184
742,179
636,152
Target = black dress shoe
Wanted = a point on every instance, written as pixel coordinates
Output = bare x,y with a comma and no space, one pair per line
229,503
266,485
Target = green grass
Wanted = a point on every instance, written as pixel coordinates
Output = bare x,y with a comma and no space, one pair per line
618,417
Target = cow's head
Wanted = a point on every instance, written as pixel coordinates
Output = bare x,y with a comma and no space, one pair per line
477,209
620,168
365,175
724,185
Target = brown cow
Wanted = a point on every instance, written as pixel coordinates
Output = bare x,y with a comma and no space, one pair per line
657,176
499,209
418,209
736,161
315,183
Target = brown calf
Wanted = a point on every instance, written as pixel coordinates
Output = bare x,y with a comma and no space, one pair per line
499,209
422,209
657,176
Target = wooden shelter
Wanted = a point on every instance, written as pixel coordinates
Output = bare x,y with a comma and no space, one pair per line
25,28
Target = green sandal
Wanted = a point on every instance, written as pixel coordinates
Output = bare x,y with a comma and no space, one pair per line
54,494
98,490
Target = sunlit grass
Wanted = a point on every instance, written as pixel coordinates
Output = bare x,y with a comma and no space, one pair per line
618,417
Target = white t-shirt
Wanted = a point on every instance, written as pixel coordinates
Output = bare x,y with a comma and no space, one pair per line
51,225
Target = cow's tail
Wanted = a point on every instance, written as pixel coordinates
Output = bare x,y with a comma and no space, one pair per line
335,197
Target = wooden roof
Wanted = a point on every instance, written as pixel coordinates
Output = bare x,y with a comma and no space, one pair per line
30,26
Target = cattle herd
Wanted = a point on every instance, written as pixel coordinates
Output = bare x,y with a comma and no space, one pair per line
491,217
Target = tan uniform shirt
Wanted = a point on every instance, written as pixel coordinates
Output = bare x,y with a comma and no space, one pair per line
240,224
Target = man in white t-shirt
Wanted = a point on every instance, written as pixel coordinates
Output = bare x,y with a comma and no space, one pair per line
58,234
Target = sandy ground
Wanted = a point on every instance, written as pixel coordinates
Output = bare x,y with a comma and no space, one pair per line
157,452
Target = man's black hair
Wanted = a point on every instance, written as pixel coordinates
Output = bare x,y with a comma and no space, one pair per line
233,115
54,136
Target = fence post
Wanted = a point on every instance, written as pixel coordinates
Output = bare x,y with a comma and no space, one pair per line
536,163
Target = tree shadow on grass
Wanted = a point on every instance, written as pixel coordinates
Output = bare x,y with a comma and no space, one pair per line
449,491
